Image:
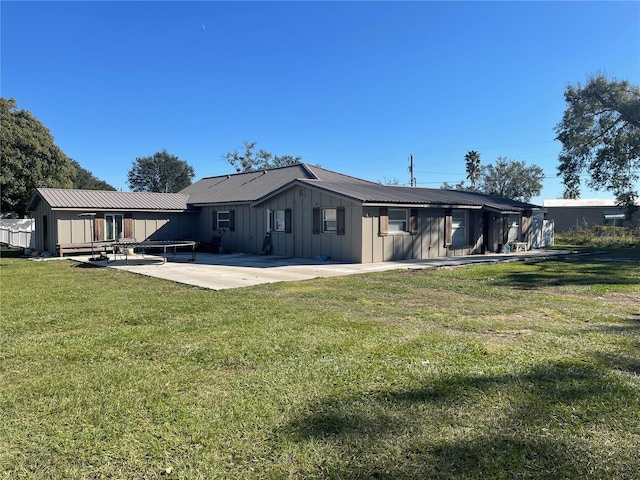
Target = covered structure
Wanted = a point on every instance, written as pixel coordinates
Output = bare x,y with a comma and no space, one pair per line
570,214
66,217
310,212
294,211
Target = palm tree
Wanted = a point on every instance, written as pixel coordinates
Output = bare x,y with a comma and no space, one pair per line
472,159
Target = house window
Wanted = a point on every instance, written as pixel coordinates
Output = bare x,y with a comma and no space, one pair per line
278,221
113,227
224,220
459,227
329,220
397,220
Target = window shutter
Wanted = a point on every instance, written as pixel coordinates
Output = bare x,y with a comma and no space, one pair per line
471,228
413,221
505,229
526,226
448,227
214,220
384,220
287,220
317,221
232,220
340,220
128,227
98,229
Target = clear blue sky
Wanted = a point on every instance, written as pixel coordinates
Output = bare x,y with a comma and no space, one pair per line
352,86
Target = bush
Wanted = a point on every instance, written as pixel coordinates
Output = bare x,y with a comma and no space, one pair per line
601,236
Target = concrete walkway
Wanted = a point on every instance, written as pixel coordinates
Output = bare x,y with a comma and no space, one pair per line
218,272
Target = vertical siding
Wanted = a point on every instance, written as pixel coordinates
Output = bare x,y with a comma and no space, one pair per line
301,241
42,210
427,242
69,227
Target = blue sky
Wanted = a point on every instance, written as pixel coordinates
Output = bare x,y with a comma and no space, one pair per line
355,87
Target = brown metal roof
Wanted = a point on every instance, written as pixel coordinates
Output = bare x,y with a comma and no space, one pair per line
255,187
244,187
368,193
59,198
360,190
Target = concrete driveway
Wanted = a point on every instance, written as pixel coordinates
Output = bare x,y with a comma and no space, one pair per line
218,272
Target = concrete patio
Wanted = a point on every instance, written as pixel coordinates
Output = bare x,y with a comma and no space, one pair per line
218,272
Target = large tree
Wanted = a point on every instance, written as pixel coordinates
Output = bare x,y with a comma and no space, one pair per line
600,135
85,180
472,162
29,158
161,172
251,160
511,179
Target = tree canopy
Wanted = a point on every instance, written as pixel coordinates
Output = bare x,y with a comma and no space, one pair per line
85,180
160,173
472,161
512,179
505,178
251,160
29,158
600,135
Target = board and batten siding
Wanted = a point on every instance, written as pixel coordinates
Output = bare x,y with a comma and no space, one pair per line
46,225
299,239
71,228
426,240
242,237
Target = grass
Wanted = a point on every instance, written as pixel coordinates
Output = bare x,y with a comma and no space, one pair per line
519,370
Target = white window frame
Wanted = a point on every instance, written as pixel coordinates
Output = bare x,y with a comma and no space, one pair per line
459,230
224,223
111,223
398,220
278,221
330,220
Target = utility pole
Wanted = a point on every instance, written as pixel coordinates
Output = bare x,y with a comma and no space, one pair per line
413,179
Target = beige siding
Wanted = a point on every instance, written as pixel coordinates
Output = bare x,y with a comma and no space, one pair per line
427,242
71,228
40,244
251,227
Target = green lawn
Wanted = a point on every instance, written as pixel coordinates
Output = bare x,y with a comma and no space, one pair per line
518,370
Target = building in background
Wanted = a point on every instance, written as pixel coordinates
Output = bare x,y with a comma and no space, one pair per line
584,213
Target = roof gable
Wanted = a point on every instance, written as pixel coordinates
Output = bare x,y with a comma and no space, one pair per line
245,187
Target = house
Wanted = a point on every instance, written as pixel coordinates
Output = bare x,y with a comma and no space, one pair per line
81,217
305,211
575,214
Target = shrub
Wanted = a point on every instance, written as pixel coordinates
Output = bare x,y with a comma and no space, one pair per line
601,236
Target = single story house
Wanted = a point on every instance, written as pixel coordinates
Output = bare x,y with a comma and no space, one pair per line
80,217
299,211
574,214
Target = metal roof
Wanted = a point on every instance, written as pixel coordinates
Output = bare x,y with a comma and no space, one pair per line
59,198
244,187
255,187
584,202
383,194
